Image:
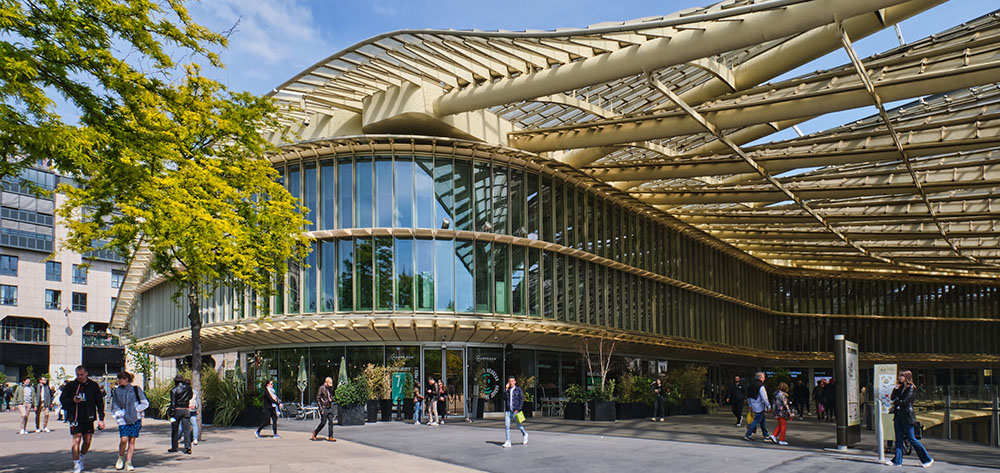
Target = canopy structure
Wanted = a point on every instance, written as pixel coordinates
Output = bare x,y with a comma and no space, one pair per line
663,108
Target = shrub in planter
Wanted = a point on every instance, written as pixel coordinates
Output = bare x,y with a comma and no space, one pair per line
602,407
351,398
576,408
385,407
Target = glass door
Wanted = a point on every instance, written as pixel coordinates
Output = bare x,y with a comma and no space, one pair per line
452,372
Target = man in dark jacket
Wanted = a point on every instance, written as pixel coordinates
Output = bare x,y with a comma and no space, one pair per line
324,399
513,402
737,395
179,411
800,397
83,401
43,404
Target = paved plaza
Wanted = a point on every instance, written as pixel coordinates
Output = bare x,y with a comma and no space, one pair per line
688,444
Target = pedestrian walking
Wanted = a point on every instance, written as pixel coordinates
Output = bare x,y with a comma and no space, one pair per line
271,400
513,403
657,388
43,405
127,405
180,414
193,413
84,403
433,394
8,395
736,396
24,399
904,418
830,400
800,398
818,398
757,396
418,402
324,399
782,413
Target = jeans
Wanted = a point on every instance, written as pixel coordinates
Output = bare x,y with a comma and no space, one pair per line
658,407
272,420
418,410
181,427
759,418
325,416
782,427
506,425
904,429
738,410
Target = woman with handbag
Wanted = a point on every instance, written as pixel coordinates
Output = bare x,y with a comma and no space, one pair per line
904,418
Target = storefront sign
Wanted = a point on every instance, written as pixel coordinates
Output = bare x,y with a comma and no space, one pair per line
489,382
853,385
885,381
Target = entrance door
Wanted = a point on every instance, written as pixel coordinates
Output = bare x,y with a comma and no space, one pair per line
453,373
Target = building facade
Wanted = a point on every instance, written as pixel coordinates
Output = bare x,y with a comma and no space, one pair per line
449,241
56,304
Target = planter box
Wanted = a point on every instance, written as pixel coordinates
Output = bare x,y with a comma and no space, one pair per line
385,407
372,410
251,417
529,409
631,410
575,411
691,406
354,415
480,407
408,409
603,411
207,414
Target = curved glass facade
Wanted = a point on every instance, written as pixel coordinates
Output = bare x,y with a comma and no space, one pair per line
440,233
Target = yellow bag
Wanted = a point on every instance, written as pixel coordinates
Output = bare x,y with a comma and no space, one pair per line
750,417
520,417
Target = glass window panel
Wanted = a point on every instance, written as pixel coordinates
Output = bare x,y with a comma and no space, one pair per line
328,188
345,276
279,297
309,195
464,283
548,222
365,273
444,275
571,212
484,277
501,292
383,192
559,205
558,286
294,270
363,190
517,281
548,284
532,208
516,201
383,273
464,220
425,274
443,187
294,183
345,194
483,195
404,274
534,281
404,192
328,275
309,297
500,205
423,185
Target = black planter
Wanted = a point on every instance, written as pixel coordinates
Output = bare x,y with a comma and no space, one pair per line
408,409
529,409
372,410
207,414
385,407
630,410
575,411
691,405
480,407
251,417
354,415
603,411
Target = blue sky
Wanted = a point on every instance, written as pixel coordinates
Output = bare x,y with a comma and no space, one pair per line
278,38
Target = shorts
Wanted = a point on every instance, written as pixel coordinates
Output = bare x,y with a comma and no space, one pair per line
130,430
81,428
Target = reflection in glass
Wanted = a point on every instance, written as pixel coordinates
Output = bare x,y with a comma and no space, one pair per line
532,196
463,196
516,204
328,274
383,274
383,192
364,191
424,274
548,284
309,282
546,210
404,274
484,277
500,200
365,271
501,288
534,278
444,275
345,193
517,281
483,191
423,186
404,192
293,287
345,276
328,184
443,194
464,283
309,195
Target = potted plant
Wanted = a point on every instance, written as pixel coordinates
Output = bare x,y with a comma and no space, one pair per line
576,408
690,381
379,382
528,386
351,398
602,404
408,398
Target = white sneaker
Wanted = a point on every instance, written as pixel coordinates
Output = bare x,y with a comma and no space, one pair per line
928,464
194,442
23,432
120,463
38,431
506,445
77,466
784,443
416,422
46,430
129,467
773,439
524,441
433,423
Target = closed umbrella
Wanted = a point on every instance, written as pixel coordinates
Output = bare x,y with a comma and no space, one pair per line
342,375
303,380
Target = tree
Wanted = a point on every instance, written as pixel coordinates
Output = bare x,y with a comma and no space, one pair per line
605,348
139,355
189,179
99,57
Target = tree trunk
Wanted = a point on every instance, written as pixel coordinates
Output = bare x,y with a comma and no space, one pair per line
194,315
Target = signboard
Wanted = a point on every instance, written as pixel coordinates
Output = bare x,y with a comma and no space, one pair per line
853,385
398,387
884,382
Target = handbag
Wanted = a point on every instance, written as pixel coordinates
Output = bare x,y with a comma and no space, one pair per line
520,417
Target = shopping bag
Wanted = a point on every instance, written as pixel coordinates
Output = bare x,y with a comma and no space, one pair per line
520,417
750,417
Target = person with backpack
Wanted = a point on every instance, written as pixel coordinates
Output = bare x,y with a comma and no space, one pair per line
782,413
83,401
273,403
737,395
127,405
759,404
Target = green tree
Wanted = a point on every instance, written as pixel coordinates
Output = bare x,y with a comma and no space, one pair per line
139,355
99,57
189,179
